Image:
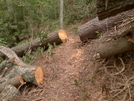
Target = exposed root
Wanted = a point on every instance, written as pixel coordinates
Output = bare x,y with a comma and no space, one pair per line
117,73
123,65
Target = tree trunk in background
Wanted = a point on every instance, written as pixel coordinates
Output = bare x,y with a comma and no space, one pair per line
90,29
108,8
61,13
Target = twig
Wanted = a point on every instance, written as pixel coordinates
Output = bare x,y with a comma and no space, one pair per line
130,95
4,72
131,40
125,86
120,92
122,68
38,99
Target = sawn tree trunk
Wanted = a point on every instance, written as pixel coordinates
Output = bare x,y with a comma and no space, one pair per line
55,37
90,29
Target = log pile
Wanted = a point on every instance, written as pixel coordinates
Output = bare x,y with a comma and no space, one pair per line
114,21
14,73
122,42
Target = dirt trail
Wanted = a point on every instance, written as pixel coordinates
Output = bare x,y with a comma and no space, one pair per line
63,73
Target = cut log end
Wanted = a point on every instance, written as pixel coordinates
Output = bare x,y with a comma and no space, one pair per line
39,76
63,35
21,80
115,47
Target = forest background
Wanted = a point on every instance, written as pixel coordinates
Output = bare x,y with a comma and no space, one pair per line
25,20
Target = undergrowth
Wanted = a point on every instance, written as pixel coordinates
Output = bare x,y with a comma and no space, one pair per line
29,57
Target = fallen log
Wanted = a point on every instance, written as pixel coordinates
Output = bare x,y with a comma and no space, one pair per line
55,37
94,27
107,8
8,92
114,47
120,45
14,73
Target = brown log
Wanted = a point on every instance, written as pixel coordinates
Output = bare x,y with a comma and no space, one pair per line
108,8
90,29
55,37
114,47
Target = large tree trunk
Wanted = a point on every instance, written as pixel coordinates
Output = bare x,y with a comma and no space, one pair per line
90,29
108,8
56,37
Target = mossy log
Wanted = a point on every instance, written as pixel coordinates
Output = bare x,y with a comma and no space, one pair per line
55,37
14,73
90,29
108,8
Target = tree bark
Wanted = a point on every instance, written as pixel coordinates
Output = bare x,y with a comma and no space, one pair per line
90,29
56,37
16,74
8,92
117,46
108,8
114,47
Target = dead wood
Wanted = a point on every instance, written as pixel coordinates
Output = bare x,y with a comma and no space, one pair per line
11,55
90,29
15,73
107,8
122,42
8,92
114,47
55,37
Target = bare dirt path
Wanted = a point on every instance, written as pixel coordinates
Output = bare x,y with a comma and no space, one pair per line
63,73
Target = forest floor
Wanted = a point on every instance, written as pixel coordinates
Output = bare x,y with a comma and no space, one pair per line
73,74
66,73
